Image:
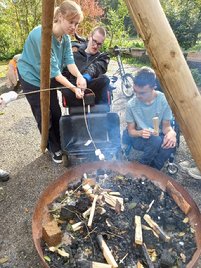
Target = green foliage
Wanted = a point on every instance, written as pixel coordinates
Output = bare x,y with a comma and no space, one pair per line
115,24
185,19
17,18
197,76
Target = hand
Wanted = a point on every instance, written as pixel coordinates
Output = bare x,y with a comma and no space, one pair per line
169,140
79,93
81,82
145,133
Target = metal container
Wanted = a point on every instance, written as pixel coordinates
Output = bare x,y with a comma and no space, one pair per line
40,215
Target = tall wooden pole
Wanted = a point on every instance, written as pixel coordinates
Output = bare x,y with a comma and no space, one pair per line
171,68
47,20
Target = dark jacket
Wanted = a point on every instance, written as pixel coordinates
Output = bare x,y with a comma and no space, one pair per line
94,65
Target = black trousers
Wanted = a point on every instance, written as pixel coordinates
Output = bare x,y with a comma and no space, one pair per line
55,112
98,85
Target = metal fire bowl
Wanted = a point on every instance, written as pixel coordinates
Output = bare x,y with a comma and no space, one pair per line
40,215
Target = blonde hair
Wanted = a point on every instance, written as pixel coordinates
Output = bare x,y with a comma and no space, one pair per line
69,9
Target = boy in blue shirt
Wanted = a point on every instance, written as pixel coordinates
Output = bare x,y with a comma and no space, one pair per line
157,146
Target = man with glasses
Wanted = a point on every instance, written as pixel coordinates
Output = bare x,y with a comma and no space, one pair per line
145,108
93,65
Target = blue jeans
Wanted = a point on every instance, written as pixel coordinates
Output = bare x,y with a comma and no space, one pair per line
153,154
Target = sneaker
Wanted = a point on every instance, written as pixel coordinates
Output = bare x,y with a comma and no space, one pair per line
194,173
185,165
57,157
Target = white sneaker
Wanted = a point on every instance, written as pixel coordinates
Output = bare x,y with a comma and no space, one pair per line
194,173
185,165
57,157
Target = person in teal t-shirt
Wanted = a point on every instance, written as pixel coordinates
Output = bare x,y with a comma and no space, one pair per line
142,110
66,19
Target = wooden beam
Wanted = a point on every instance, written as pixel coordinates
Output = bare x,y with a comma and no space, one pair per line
47,21
171,68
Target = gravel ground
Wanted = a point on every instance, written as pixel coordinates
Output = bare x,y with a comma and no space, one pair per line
31,172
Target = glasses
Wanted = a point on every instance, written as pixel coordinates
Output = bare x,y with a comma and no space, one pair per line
142,93
94,42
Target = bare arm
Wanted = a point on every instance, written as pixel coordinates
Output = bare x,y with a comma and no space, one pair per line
143,133
169,140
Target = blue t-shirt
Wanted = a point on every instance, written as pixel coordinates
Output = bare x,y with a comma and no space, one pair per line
29,64
142,114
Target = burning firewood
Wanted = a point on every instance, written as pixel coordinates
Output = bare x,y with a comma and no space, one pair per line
88,189
139,265
77,226
106,252
92,264
147,257
138,231
156,228
112,200
92,211
178,198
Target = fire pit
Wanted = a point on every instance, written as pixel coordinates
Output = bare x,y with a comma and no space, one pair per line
165,183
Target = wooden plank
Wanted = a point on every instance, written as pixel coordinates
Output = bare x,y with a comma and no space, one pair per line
138,231
178,198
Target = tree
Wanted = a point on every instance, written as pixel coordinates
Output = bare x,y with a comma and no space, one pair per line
185,19
17,18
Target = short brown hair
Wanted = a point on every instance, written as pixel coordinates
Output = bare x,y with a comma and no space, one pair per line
99,29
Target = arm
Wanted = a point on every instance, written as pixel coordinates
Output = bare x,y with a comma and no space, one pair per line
98,66
169,140
62,80
143,133
81,82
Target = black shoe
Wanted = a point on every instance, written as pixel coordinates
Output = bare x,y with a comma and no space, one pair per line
57,157
4,176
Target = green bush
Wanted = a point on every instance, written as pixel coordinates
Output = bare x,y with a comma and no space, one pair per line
197,76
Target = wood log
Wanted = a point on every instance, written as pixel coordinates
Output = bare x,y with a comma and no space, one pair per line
47,22
138,231
92,211
156,228
112,200
106,251
171,68
147,257
178,198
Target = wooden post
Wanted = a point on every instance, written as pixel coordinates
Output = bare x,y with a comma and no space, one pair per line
171,68
47,20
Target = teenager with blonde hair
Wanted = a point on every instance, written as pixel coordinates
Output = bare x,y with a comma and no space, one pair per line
66,19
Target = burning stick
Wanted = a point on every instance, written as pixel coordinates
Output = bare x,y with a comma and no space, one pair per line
112,200
156,125
86,213
156,228
77,226
92,211
106,252
88,190
178,198
138,230
146,254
